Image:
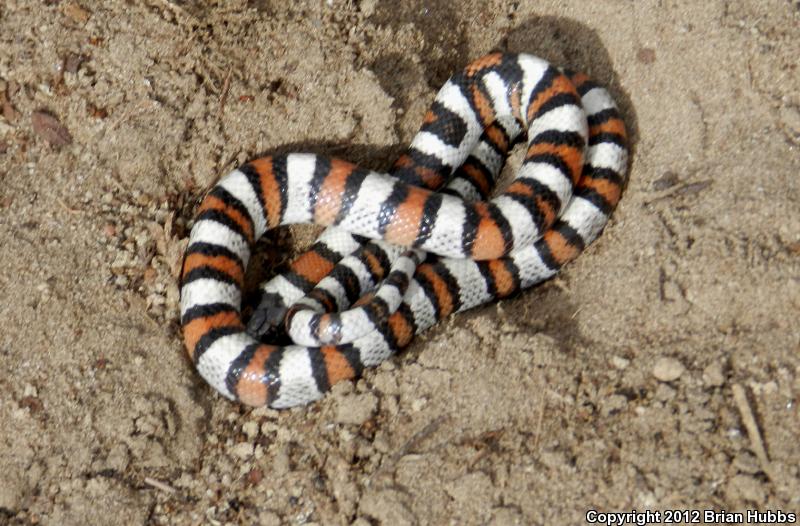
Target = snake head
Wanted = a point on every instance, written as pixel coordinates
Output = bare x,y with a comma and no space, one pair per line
267,318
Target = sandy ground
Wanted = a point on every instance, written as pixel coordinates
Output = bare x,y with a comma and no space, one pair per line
660,371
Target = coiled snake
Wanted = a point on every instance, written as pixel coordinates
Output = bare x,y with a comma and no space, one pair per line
403,249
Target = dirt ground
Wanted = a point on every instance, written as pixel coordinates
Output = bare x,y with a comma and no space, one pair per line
661,370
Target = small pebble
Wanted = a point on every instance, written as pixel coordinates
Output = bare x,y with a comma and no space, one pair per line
747,488
155,299
668,369
118,458
50,128
646,55
76,12
619,362
254,476
150,274
267,518
368,7
250,428
664,393
668,180
356,409
242,450
72,62
121,261
713,375
613,404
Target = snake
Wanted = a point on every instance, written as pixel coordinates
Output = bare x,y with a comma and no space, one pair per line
403,249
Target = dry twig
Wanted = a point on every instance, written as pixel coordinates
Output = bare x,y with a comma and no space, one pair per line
160,485
753,432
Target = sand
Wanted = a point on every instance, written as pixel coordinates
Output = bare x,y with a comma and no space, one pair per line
661,370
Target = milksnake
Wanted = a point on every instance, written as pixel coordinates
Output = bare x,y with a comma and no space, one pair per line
405,249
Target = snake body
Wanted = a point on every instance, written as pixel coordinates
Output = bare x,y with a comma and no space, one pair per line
404,249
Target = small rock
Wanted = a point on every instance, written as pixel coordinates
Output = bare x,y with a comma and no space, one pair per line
250,428
154,300
387,507
673,292
150,274
746,463
417,404
473,490
12,491
173,295
174,256
73,61
356,409
613,404
50,129
664,393
506,517
668,369
254,476
745,487
763,388
713,375
10,113
242,450
385,382
668,180
368,7
281,463
110,229
646,55
33,404
267,518
118,458
619,362
76,12
381,442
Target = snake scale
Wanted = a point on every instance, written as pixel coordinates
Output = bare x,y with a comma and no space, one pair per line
405,249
